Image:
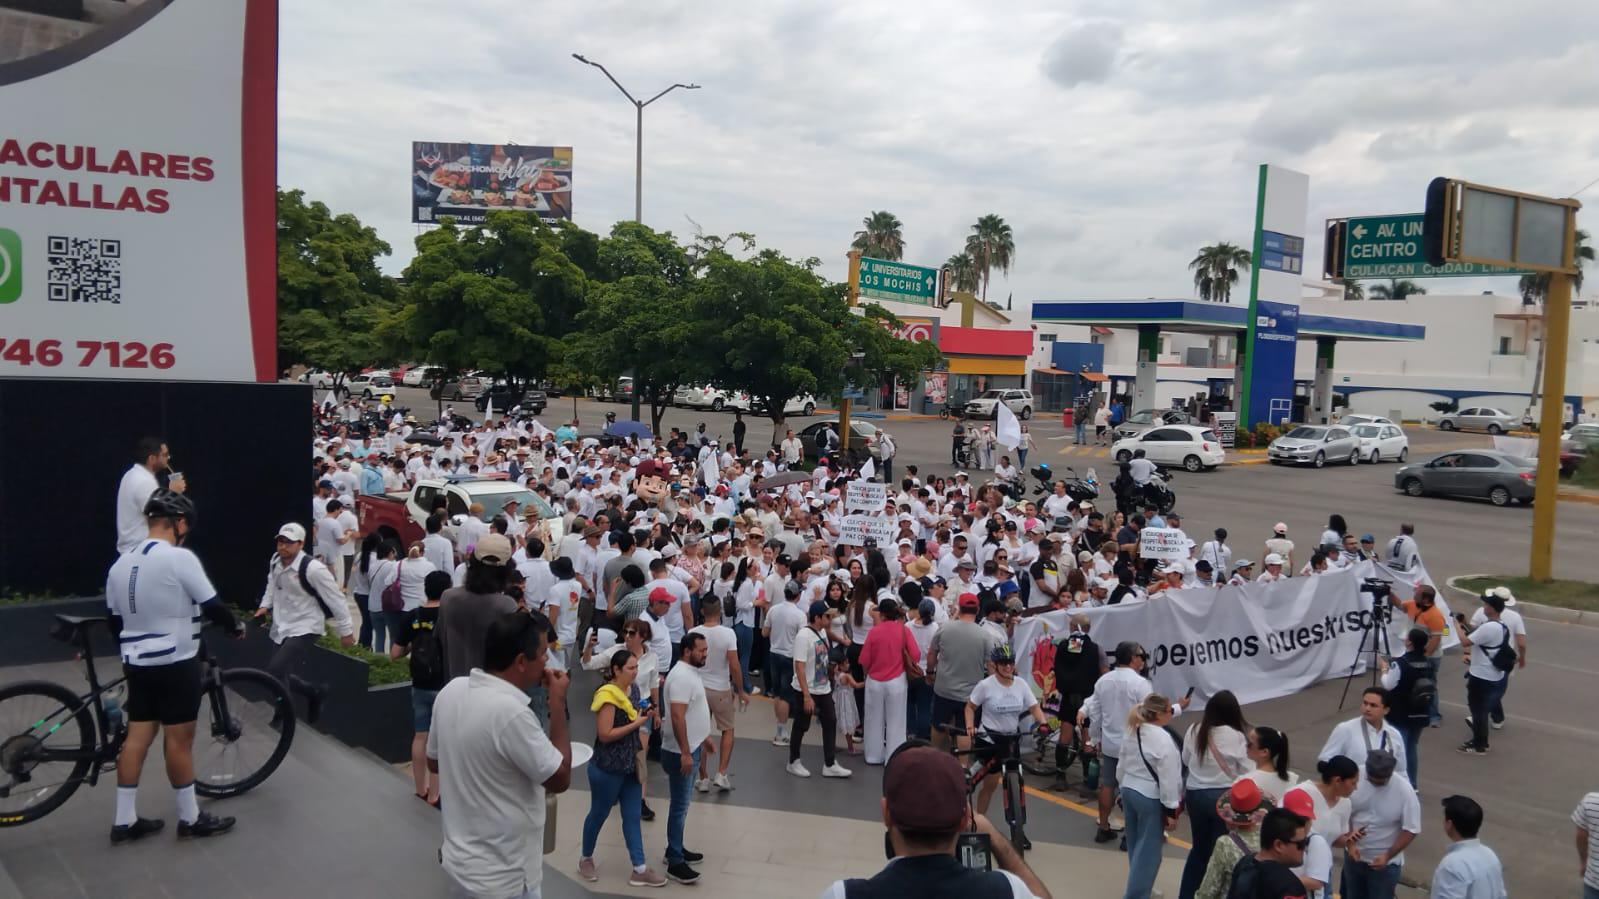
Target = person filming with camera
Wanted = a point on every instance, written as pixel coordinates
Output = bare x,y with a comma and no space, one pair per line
929,821
1491,658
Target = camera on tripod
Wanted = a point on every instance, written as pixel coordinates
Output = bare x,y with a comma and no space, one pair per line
1379,590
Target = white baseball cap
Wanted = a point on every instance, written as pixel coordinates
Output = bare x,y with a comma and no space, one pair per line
1273,559
292,532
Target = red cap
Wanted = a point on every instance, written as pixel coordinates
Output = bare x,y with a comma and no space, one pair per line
1300,803
660,594
969,601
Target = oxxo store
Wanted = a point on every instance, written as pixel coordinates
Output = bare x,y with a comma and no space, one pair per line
975,360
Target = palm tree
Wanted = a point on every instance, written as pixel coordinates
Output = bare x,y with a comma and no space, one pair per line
991,245
1535,287
1354,290
1396,290
880,237
1216,270
962,272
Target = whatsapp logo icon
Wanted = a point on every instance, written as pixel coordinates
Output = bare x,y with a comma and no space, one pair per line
10,266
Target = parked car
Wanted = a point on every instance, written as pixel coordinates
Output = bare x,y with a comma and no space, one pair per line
1351,419
861,433
619,391
422,375
1144,419
1379,442
706,397
317,378
1191,446
369,385
1581,438
1480,418
986,404
1499,477
1315,445
465,387
402,516
796,405
505,399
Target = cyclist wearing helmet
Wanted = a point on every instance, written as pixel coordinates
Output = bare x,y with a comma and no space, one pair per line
1003,699
151,593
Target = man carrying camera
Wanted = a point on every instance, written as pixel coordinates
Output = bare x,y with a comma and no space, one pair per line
930,848
1491,658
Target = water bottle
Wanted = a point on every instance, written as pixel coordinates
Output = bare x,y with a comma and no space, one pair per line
113,714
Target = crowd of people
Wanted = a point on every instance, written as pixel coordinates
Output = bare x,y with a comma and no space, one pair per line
693,577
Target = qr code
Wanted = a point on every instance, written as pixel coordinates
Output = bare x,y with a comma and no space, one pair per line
84,270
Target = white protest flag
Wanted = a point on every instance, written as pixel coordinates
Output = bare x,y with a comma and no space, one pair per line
868,470
329,400
1007,430
488,413
710,470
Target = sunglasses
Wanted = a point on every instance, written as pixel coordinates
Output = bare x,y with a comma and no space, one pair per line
1302,844
630,632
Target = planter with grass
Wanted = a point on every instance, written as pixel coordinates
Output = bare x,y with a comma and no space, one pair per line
1557,600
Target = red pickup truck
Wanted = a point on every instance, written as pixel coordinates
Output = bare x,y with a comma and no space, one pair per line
402,516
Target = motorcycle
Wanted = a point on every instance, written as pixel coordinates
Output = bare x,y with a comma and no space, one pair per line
1132,498
952,410
1084,488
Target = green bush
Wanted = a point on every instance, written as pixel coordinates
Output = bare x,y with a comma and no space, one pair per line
1444,407
1265,432
380,669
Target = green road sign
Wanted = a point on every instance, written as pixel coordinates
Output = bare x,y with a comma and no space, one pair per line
884,280
1390,246
10,266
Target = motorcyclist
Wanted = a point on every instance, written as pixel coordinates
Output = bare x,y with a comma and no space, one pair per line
1140,468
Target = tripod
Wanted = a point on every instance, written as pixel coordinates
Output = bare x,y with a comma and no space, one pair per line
1374,641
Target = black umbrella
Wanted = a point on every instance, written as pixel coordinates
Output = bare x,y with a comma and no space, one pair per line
785,478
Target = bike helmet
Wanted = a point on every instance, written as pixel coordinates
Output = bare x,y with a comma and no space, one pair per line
1002,655
166,503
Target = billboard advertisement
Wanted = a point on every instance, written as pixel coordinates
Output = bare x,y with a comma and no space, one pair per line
137,193
468,181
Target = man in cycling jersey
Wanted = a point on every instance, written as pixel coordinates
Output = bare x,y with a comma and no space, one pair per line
152,593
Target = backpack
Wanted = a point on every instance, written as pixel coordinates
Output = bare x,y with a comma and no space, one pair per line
1504,656
1423,690
305,584
393,600
729,607
427,653
1246,878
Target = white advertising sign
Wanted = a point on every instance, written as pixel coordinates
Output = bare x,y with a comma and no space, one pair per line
1163,544
867,495
856,529
137,197
1261,641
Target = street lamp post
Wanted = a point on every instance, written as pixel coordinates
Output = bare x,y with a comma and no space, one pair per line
638,152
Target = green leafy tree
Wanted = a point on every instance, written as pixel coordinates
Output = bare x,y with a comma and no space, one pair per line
637,319
1396,289
880,237
991,245
962,272
773,328
1354,290
499,296
333,301
1216,269
1535,287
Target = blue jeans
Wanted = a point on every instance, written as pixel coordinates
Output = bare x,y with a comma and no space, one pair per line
746,643
681,787
1080,423
1589,892
605,790
1021,460
919,709
1410,733
1362,881
1207,827
1145,840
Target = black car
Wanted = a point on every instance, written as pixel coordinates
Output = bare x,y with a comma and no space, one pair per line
859,452
505,398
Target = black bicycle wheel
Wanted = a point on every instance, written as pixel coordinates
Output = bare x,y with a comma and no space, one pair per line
236,753
1041,761
1015,810
40,715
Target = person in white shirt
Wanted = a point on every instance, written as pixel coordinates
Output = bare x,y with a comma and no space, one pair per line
1326,803
1510,618
331,536
1387,817
1403,554
685,735
1279,543
352,527
1140,469
496,764
1242,569
436,547
1115,695
1150,775
299,615
1359,736
1003,699
783,623
723,677
1216,753
471,530
1274,570
1217,552
1484,679
138,484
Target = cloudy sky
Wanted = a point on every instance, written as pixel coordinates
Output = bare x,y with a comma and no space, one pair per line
1115,136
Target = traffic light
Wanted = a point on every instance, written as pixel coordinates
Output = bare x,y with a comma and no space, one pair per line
1437,222
1332,250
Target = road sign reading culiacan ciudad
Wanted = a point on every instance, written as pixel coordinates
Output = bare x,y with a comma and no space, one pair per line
1390,246
905,283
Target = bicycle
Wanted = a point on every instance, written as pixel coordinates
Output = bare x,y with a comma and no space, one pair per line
1043,761
1004,752
52,740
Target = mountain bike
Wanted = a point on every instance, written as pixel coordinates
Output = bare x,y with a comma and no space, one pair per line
1003,752
53,740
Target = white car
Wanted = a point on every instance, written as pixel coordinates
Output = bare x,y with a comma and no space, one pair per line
317,378
796,405
712,398
422,375
1191,446
369,385
986,404
1360,418
1380,442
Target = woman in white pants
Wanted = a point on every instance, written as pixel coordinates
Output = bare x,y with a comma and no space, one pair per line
889,648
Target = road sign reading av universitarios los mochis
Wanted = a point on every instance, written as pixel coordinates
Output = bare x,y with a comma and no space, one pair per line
1389,246
886,280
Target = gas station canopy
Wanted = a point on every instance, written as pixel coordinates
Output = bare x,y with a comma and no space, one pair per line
1213,318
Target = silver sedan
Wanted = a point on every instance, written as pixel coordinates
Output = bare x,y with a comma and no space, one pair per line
1315,445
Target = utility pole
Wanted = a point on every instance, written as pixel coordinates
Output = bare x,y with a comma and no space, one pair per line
853,296
638,148
1552,412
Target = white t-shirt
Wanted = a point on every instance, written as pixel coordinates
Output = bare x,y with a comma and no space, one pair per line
413,575
1332,821
1485,641
138,483
328,532
1272,786
1384,811
786,620
811,649
349,522
493,761
1317,865
719,639
683,685
1002,706
753,588
156,590
674,612
440,551
563,599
